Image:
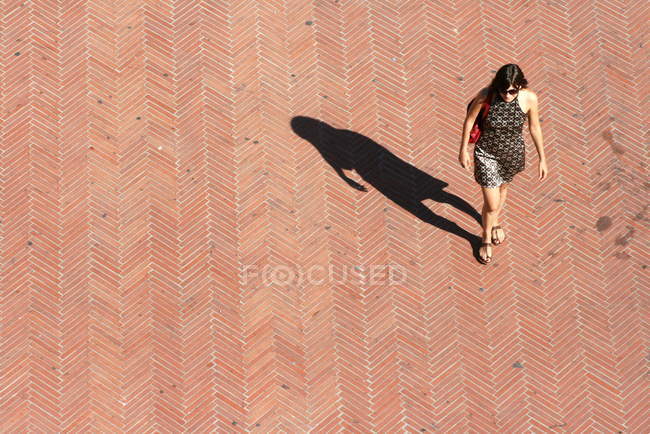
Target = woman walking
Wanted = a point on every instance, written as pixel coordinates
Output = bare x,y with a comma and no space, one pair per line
499,153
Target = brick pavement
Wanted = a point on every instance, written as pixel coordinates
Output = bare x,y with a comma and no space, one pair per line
185,246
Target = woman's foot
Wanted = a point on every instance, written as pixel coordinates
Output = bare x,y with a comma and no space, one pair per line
498,235
485,252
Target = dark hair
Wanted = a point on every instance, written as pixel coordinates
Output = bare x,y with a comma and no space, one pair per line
506,76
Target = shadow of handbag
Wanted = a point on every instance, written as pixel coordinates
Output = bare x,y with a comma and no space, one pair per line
475,132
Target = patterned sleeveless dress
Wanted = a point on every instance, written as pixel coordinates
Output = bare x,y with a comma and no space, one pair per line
499,153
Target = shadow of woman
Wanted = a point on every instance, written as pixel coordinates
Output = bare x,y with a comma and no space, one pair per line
402,183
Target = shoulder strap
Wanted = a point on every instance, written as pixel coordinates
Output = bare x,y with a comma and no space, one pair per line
487,103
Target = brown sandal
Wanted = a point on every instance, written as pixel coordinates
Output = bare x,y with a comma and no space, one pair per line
488,258
495,241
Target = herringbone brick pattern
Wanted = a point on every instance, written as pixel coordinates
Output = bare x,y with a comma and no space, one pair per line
184,245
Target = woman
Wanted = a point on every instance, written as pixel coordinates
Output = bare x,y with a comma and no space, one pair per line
499,153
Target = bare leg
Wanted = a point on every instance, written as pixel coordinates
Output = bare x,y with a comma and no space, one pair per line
489,214
503,190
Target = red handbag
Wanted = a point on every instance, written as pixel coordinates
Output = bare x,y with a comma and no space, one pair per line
475,132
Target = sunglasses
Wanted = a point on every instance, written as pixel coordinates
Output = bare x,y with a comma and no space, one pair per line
511,91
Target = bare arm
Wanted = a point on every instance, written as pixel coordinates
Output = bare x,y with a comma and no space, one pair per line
534,126
474,110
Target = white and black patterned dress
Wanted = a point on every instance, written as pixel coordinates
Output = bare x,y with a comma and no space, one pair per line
499,153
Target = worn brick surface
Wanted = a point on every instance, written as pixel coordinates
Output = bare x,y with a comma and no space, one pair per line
179,254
